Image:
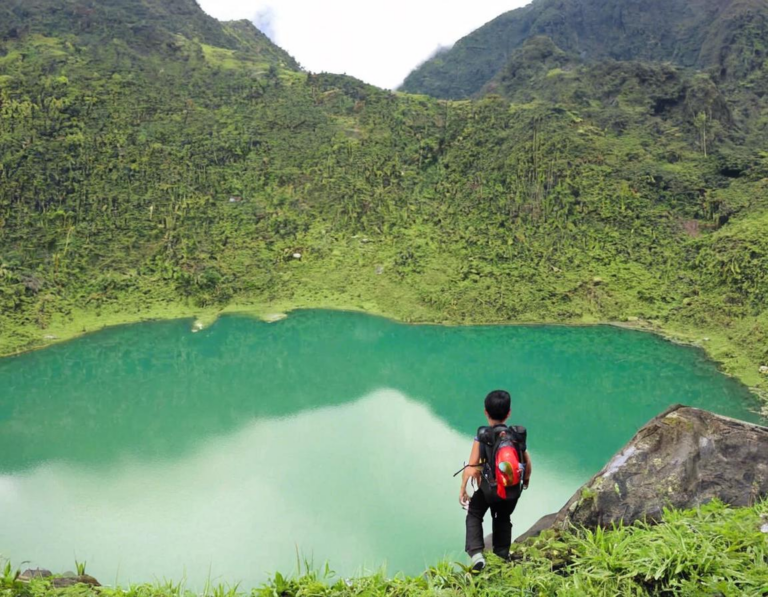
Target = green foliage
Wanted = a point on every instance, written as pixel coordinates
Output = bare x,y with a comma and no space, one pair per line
10,583
736,259
139,176
726,38
163,26
712,550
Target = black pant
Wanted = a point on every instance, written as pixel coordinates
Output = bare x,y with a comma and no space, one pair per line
501,525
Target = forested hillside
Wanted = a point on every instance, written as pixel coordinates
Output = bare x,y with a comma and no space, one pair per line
142,26
153,158
724,37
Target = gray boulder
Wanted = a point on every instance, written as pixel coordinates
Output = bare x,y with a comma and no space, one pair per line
682,458
30,573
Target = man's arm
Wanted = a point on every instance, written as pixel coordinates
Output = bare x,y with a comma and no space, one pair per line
472,471
528,469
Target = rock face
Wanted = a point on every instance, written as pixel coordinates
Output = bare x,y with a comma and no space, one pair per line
71,581
682,458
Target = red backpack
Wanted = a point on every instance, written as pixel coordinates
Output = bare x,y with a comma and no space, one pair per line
503,450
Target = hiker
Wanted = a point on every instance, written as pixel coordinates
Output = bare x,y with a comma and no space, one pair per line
500,468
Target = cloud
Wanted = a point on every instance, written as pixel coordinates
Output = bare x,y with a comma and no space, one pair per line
265,22
378,41
440,49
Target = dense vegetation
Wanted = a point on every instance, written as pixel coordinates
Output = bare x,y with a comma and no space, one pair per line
144,171
710,551
148,26
723,37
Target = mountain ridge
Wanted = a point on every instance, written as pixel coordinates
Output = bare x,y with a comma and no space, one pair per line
702,34
142,24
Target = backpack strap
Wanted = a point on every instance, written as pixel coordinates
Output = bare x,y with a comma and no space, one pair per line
485,435
485,438
520,435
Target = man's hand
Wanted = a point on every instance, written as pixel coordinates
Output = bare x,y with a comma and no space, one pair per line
464,498
471,474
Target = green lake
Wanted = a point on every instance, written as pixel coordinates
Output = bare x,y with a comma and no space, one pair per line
153,453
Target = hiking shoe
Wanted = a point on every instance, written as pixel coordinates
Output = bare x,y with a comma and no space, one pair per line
478,562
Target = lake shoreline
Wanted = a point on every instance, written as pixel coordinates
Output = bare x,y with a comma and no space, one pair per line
300,343
716,346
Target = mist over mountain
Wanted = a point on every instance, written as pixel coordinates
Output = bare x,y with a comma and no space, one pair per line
726,38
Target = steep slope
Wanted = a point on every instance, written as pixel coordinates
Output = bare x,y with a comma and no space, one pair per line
254,44
144,25
725,36
608,89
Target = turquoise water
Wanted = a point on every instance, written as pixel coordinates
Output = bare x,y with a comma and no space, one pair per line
154,453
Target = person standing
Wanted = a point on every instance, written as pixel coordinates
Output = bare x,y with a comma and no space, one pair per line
481,471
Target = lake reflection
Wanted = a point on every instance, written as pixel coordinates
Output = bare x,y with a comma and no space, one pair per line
341,484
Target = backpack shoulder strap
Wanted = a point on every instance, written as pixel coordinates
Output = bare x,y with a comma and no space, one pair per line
484,435
520,435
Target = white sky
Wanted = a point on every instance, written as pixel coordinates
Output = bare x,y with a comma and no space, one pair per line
378,41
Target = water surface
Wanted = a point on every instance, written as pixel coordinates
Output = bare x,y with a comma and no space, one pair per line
154,453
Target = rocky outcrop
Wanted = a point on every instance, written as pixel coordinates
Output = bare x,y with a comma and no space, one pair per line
682,458
59,582
68,579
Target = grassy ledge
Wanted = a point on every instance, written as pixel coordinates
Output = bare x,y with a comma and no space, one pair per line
712,550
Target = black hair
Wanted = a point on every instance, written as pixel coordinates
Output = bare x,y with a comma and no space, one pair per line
497,405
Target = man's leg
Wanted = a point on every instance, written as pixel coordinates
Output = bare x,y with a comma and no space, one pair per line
475,512
502,527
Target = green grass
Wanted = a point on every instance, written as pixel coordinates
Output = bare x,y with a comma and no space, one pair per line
711,550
